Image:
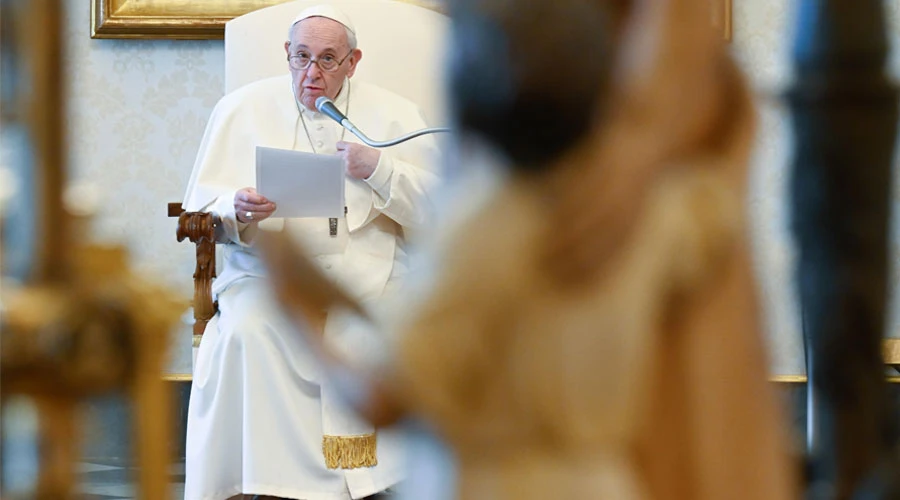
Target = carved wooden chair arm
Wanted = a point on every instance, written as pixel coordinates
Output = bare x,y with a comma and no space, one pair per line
200,229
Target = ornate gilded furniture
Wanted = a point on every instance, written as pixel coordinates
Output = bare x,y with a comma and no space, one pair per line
74,321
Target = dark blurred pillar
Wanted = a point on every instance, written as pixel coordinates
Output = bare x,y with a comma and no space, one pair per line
844,122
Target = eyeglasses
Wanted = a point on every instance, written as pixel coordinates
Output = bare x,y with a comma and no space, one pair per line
301,61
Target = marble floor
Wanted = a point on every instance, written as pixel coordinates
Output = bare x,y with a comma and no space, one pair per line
108,422
111,481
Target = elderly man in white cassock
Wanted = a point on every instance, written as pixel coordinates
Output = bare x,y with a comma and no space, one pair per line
262,421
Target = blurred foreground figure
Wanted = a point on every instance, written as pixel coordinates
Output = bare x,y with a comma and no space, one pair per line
592,330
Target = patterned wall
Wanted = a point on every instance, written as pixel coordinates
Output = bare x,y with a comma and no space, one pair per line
136,113
138,109
761,44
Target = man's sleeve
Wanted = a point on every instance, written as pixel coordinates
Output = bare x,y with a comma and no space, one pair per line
405,176
230,229
212,186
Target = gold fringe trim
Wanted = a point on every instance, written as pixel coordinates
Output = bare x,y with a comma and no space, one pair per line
349,452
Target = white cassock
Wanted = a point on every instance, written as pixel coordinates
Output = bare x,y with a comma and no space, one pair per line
257,414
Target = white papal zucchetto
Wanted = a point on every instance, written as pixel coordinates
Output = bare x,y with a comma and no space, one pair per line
328,12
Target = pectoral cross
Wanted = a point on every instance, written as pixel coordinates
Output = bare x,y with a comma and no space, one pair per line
333,224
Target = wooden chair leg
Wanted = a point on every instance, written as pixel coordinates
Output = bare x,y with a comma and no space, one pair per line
58,447
152,404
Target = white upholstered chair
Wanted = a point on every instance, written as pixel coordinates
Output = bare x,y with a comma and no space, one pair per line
402,44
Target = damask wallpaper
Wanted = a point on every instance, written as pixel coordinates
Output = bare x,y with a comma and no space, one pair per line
136,113
138,109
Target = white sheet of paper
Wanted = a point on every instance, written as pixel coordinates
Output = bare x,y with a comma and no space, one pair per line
301,184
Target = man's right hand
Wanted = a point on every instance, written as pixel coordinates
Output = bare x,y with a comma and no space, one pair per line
250,206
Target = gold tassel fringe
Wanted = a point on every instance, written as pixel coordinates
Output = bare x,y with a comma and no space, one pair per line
349,452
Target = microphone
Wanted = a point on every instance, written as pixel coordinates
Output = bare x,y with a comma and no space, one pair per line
326,107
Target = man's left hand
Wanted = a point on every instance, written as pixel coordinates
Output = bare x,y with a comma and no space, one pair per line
360,161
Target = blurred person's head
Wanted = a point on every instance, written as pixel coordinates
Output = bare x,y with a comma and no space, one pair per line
528,76
534,78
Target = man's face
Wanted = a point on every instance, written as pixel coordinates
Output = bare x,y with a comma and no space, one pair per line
320,38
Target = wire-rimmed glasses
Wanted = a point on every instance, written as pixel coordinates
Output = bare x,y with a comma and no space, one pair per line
302,60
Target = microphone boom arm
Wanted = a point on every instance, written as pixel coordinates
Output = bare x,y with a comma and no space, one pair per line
326,106
383,144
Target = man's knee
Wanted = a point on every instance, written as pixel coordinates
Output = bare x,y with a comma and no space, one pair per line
244,321
250,331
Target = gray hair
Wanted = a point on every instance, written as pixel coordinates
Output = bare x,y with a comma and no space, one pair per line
351,36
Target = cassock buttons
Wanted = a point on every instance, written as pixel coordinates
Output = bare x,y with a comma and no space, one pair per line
320,143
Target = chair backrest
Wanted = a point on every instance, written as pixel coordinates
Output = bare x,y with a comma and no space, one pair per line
402,43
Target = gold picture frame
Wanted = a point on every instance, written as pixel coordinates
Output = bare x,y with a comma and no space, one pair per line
722,18
178,19
205,19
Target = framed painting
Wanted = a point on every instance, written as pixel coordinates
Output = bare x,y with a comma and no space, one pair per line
200,19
